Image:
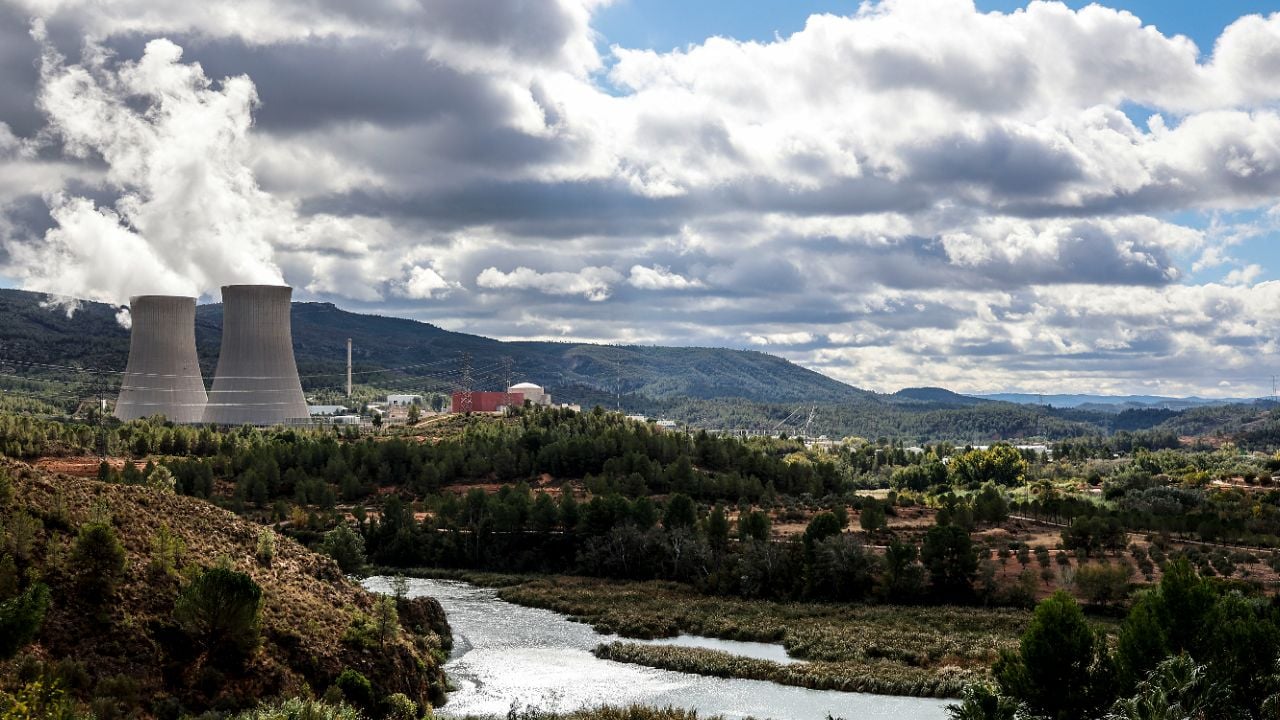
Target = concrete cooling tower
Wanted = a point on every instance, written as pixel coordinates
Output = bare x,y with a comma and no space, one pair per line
256,382
163,374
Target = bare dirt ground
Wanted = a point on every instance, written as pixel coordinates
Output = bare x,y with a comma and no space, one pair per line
81,466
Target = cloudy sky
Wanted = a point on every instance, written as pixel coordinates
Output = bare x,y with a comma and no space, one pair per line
1001,196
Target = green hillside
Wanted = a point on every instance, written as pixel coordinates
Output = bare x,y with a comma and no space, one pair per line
706,387
35,334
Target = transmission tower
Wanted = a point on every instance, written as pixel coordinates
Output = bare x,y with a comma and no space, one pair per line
466,382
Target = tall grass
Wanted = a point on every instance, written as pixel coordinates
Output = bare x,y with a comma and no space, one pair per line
901,650
605,712
873,676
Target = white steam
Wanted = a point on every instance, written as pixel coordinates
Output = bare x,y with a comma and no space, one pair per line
190,216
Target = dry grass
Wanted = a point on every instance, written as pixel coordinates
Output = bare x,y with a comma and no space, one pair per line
307,604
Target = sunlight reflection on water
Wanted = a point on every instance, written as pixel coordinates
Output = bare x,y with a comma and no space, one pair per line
505,654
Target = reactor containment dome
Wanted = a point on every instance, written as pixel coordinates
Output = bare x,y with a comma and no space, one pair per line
163,374
256,382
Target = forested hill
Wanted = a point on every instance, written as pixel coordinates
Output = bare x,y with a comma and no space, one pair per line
35,332
705,387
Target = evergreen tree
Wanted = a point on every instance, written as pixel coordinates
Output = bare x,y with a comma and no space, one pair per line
1061,670
680,512
949,555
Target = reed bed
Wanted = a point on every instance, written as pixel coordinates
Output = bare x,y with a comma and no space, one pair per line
875,676
933,639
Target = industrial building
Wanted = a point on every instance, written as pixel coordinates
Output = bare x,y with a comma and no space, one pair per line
256,382
532,393
486,402
403,400
163,375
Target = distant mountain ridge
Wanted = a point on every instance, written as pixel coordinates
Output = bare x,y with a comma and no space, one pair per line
1112,403
431,357
705,387
936,395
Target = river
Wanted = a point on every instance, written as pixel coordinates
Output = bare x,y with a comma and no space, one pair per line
505,654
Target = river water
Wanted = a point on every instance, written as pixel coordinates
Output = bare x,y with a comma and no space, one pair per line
505,654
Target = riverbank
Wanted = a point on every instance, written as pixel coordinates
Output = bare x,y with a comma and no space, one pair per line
509,655
610,712
885,649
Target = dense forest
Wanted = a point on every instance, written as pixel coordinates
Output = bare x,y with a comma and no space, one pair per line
598,493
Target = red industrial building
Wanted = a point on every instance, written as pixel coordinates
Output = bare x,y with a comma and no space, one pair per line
488,402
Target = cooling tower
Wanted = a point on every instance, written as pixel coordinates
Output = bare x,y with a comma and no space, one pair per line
163,375
256,382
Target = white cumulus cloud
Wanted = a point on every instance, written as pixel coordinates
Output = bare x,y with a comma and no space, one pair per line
593,283
659,278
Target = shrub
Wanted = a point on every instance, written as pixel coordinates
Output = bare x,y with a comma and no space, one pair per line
983,702
116,697
346,547
1103,584
221,610
99,559
400,707
300,709
167,550
872,518
266,551
161,479
10,580
1177,686
37,700
21,618
356,688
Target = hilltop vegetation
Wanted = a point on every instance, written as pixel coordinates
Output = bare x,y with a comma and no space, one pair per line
130,601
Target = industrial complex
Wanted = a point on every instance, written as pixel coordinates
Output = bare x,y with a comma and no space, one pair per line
256,381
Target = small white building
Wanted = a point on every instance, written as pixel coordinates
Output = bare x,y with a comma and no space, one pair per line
533,394
325,410
403,400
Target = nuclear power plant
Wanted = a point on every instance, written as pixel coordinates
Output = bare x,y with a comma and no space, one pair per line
256,382
163,374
